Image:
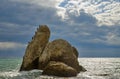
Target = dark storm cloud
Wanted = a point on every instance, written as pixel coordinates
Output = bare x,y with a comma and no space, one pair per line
21,19
83,18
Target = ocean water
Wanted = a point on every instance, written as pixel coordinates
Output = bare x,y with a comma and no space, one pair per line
97,68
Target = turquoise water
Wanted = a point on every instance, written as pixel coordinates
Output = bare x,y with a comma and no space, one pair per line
9,64
97,68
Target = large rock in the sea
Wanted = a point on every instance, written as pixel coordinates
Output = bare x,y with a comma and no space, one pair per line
59,69
57,58
60,51
35,48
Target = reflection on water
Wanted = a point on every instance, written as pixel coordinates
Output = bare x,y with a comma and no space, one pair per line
101,68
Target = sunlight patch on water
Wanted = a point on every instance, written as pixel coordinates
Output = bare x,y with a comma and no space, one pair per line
97,68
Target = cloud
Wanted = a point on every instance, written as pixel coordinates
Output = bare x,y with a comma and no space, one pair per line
81,22
24,12
106,12
82,18
49,3
20,19
8,28
11,45
66,19
113,38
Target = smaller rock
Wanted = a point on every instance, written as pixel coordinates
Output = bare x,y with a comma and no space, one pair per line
82,68
60,50
59,69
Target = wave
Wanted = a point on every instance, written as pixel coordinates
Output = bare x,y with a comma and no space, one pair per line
36,74
20,75
97,68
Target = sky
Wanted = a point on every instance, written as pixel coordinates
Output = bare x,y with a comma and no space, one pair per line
92,26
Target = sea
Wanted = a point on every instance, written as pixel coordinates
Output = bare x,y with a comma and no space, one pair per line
97,68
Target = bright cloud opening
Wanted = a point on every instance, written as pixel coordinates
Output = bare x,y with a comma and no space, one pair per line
106,12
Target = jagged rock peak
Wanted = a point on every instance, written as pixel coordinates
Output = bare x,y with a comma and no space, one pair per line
35,48
43,28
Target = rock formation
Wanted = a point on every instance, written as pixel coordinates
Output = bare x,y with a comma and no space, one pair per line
35,48
57,58
59,69
59,50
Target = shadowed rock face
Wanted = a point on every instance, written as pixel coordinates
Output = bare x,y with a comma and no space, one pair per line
75,51
59,69
56,58
35,48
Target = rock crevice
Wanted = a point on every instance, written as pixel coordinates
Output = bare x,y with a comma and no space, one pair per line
57,58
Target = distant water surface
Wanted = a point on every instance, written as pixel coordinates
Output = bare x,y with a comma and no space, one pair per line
97,68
